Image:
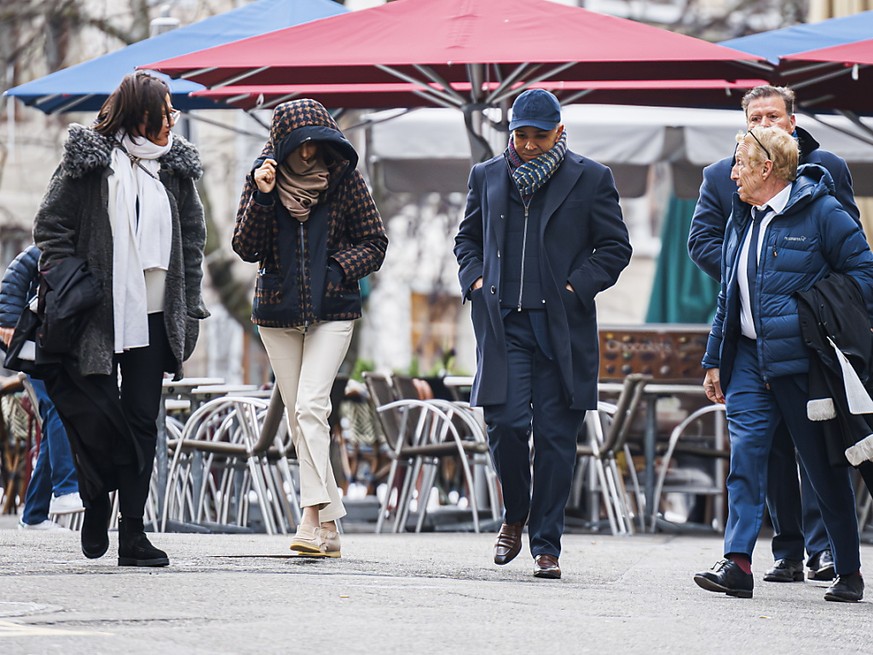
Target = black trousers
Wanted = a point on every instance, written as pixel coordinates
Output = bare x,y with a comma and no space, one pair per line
112,425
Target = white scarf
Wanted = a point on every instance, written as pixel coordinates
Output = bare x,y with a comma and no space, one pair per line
141,240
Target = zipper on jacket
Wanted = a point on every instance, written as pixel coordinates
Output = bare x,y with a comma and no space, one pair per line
756,315
303,298
523,250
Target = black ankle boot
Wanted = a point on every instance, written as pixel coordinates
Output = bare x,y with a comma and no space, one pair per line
95,527
134,548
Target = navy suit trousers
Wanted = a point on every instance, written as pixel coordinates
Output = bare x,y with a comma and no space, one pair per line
535,400
794,510
754,412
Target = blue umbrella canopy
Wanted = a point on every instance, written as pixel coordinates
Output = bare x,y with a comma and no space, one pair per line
808,36
85,87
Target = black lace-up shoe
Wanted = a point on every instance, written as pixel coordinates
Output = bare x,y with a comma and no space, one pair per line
785,570
846,589
728,578
821,566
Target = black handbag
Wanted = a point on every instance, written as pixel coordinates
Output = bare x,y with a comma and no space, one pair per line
23,352
66,292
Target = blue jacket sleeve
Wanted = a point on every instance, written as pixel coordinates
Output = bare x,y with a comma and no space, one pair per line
846,250
706,235
842,178
18,286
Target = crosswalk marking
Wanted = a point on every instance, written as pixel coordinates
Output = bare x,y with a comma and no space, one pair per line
8,629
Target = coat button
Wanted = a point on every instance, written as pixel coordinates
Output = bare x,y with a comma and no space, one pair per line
493,289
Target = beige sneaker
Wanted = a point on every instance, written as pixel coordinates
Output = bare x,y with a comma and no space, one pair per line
316,542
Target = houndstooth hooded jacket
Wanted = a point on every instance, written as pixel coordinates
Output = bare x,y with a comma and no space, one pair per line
309,271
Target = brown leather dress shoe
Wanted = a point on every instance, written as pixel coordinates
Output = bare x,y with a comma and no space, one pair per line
508,543
546,566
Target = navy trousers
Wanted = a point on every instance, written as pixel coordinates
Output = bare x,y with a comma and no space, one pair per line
794,510
754,412
535,400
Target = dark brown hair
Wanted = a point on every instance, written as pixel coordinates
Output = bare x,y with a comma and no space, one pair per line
140,97
767,91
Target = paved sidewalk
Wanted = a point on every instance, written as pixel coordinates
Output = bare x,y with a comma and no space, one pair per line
426,593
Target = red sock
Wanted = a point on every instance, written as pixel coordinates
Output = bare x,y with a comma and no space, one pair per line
742,561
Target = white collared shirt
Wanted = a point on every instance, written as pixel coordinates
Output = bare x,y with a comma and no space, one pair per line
775,206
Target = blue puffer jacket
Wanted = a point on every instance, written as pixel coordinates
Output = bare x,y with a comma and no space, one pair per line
813,236
717,191
19,285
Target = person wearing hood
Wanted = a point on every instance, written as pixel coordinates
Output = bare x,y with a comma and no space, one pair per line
794,512
786,232
307,218
123,201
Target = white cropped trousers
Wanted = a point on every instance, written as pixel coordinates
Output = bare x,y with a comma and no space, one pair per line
305,363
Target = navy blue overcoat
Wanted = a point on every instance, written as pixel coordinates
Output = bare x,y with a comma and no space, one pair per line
584,242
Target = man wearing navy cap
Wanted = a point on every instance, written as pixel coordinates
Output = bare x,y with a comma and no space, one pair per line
541,236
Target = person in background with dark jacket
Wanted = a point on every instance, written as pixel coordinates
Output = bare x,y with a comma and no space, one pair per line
794,512
123,200
53,488
307,218
786,232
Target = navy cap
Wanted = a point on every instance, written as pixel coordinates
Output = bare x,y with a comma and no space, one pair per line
536,108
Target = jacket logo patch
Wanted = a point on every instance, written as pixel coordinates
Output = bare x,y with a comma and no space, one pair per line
795,238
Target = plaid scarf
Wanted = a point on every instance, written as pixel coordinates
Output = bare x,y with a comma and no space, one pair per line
530,176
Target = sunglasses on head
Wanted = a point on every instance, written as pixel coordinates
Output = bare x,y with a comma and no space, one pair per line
758,141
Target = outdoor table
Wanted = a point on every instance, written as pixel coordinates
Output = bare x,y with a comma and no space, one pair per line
202,394
185,385
456,383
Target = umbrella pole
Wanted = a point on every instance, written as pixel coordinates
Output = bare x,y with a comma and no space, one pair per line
480,148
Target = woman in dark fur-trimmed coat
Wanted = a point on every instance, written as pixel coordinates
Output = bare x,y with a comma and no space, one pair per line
123,200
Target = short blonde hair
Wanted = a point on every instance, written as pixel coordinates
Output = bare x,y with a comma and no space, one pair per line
775,144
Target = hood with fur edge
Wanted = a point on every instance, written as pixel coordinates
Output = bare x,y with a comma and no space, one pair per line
86,150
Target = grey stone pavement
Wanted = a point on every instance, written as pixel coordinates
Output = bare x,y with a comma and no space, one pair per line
409,593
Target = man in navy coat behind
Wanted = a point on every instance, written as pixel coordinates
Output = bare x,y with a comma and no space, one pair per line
541,236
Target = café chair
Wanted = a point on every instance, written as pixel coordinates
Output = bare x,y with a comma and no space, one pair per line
605,437
233,453
693,437
420,434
